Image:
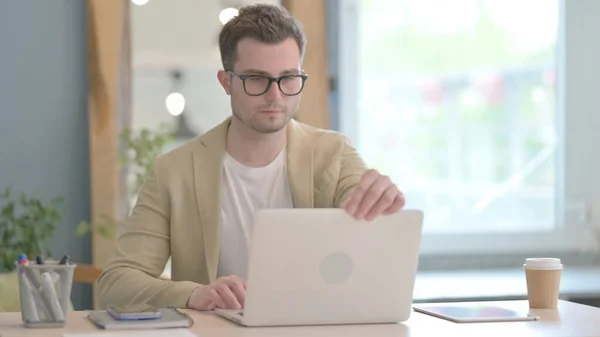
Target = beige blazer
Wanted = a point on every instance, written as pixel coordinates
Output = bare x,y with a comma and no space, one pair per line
177,213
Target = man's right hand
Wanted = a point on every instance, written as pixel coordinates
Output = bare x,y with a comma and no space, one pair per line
225,293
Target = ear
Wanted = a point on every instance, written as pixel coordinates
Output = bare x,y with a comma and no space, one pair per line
225,80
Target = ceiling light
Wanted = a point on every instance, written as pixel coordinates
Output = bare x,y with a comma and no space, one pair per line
175,103
139,2
227,14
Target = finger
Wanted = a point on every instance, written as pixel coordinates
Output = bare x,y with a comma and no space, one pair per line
397,205
372,196
384,202
228,296
360,190
239,289
216,299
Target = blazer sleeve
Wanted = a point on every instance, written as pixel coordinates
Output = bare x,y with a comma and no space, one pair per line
352,168
131,275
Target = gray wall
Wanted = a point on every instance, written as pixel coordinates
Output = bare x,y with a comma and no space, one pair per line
43,113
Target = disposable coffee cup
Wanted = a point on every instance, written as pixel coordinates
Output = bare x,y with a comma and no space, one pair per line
543,282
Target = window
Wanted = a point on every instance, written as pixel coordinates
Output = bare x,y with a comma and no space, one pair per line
463,104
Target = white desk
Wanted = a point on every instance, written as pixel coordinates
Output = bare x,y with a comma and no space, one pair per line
570,319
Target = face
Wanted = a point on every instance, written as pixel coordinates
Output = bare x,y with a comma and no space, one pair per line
271,111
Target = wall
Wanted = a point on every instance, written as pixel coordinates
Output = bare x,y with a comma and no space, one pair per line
179,34
43,113
206,103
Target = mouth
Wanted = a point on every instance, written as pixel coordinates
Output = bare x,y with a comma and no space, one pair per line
270,112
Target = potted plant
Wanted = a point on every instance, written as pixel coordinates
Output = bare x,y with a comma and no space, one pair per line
26,227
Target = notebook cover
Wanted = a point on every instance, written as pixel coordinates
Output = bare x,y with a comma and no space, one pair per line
171,318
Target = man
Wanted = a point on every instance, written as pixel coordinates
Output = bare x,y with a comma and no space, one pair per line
197,205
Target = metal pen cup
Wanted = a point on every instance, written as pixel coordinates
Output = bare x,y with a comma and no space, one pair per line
45,293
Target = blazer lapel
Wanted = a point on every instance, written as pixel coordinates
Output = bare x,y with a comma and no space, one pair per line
299,166
207,161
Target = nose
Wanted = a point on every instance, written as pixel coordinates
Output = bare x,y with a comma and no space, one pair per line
273,94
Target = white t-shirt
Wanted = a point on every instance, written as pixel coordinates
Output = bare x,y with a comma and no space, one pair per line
245,190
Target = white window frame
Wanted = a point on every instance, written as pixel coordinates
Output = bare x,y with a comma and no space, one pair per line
578,61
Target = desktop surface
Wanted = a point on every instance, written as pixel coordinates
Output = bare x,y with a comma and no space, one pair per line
570,319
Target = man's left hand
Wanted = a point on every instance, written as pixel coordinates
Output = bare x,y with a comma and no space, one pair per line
376,194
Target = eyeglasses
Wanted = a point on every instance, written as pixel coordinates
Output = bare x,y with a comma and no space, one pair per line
256,85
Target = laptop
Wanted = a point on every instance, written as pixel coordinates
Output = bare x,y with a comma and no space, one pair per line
322,267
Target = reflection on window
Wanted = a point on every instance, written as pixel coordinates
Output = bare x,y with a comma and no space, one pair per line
457,105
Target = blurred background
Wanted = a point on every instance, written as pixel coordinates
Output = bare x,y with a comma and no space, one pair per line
457,105
481,111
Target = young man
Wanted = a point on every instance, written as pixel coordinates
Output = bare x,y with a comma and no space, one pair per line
197,206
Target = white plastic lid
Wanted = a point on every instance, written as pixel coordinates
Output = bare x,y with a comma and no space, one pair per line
543,263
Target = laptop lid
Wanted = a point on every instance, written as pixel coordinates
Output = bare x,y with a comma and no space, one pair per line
320,266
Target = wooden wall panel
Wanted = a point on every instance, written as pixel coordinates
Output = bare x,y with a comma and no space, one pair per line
314,109
108,62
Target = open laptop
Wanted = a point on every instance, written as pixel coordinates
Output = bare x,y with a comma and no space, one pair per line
321,266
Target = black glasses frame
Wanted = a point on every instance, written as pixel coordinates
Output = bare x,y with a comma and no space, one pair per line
271,80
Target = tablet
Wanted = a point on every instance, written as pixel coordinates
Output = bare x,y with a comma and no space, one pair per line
473,313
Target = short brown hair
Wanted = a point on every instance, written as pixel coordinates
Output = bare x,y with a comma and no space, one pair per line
263,22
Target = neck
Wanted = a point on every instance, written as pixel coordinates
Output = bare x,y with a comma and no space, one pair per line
252,148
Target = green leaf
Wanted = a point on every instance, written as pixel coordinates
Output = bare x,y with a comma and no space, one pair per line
8,209
27,223
82,229
106,231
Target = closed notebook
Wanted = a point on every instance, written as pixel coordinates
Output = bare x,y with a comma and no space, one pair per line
171,318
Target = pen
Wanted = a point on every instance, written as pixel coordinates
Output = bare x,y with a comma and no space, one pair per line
29,306
65,260
32,276
50,293
22,259
39,259
32,285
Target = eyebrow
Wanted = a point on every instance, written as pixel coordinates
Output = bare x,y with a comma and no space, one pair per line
264,73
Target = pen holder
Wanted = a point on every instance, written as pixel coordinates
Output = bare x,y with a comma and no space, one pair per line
45,292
